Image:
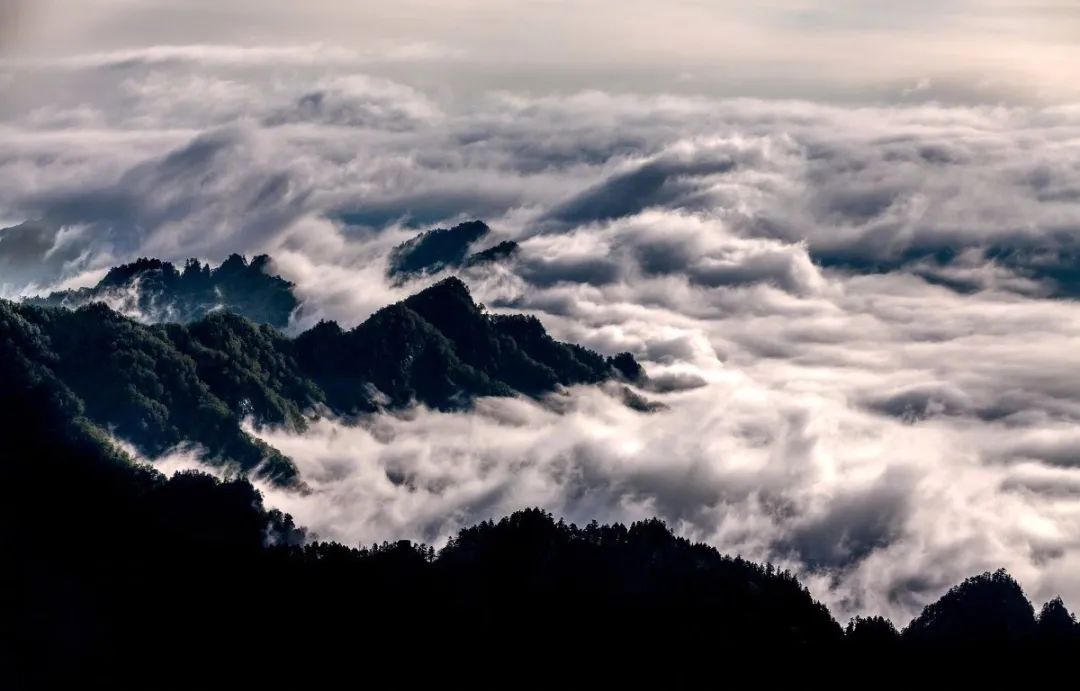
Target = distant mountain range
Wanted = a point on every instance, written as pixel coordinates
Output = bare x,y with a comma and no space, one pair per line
156,291
158,386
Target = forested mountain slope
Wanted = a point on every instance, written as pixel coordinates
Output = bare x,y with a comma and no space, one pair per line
158,386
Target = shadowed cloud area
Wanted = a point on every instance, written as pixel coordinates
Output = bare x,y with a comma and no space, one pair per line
657,183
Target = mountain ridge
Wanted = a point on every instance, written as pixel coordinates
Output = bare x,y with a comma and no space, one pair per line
445,248
162,385
156,291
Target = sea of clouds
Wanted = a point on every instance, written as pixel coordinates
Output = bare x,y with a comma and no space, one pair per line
861,319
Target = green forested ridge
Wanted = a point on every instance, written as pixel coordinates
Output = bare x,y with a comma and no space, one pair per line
158,386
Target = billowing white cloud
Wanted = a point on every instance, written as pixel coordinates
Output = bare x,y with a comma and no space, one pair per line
878,515
862,319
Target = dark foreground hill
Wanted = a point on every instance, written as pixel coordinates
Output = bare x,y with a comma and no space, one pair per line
158,386
115,574
157,291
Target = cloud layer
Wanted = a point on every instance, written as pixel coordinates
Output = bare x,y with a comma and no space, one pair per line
861,319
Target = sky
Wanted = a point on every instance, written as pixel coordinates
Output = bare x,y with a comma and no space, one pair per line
850,49
842,238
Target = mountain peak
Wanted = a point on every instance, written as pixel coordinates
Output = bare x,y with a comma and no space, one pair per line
234,263
125,273
445,248
435,250
626,365
152,290
449,298
475,228
503,250
451,285
991,608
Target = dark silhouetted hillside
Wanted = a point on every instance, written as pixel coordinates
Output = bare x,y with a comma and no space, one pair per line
116,575
986,610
